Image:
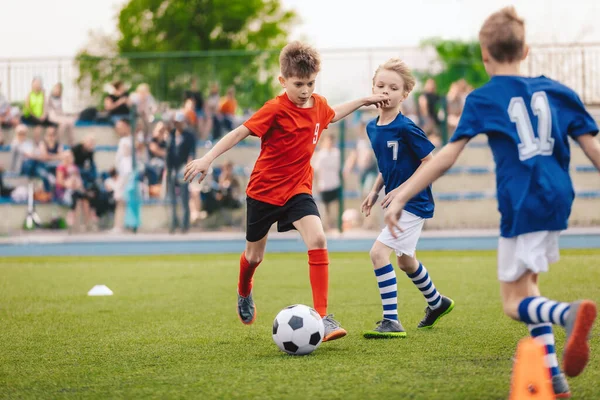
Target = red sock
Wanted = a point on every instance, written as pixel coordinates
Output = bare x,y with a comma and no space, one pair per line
246,274
318,260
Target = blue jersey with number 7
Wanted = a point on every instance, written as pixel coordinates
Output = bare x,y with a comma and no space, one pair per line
528,122
399,148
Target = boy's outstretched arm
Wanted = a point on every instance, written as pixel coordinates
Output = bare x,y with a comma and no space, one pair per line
345,109
591,147
423,177
201,165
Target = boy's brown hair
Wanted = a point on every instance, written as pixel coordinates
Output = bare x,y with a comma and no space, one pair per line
299,60
399,67
503,35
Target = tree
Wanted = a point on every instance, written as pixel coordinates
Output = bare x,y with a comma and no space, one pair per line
456,59
165,42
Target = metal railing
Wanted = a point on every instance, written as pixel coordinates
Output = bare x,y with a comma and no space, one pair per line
346,73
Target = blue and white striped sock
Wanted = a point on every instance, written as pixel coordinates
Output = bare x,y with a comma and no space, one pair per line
536,310
388,289
422,281
543,333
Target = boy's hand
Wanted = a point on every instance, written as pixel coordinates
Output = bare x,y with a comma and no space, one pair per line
389,197
378,100
195,167
367,204
392,217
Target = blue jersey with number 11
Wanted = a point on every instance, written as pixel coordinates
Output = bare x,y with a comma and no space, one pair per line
528,122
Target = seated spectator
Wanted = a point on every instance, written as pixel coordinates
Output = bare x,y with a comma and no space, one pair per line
228,108
69,189
50,150
9,116
117,103
229,189
34,109
26,158
57,115
84,159
157,152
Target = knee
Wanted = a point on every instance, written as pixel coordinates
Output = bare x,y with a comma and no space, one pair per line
378,258
408,265
318,241
511,308
254,257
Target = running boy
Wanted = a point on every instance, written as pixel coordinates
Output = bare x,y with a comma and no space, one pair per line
400,147
528,122
280,186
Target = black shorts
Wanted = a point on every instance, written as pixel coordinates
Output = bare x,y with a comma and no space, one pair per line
330,195
261,215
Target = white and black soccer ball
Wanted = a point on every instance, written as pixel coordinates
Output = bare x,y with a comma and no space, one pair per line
298,330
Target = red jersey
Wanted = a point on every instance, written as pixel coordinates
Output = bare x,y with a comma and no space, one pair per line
288,136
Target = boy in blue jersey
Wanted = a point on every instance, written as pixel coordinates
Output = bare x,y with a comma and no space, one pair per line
528,122
401,148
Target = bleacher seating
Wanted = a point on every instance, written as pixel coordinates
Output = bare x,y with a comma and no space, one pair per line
465,196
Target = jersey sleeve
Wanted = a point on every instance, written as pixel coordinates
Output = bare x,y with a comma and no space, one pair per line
581,122
468,126
328,113
260,123
418,141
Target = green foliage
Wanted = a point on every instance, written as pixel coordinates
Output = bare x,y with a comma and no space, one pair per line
165,43
457,60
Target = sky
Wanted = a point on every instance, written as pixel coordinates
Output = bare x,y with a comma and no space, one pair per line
327,24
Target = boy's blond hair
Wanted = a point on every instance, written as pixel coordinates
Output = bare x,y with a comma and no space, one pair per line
503,35
399,67
299,60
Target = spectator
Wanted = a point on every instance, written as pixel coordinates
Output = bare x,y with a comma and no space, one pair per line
213,118
117,103
191,117
26,158
363,159
124,169
9,116
229,188
157,153
181,149
69,189
327,165
146,106
228,108
57,115
34,109
84,159
50,150
195,95
428,108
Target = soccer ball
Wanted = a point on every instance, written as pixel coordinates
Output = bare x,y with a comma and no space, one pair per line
298,330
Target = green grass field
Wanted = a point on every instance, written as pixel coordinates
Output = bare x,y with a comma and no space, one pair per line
171,331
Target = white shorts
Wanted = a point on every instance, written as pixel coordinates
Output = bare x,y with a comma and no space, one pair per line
531,251
406,242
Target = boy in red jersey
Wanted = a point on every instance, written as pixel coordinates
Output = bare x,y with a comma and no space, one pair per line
280,187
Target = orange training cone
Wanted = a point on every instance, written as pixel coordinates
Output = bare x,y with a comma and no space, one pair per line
531,378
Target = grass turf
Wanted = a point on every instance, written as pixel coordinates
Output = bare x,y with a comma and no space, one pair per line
171,331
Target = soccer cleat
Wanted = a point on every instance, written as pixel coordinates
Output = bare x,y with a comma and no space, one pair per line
578,326
433,316
246,309
561,387
386,328
333,330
